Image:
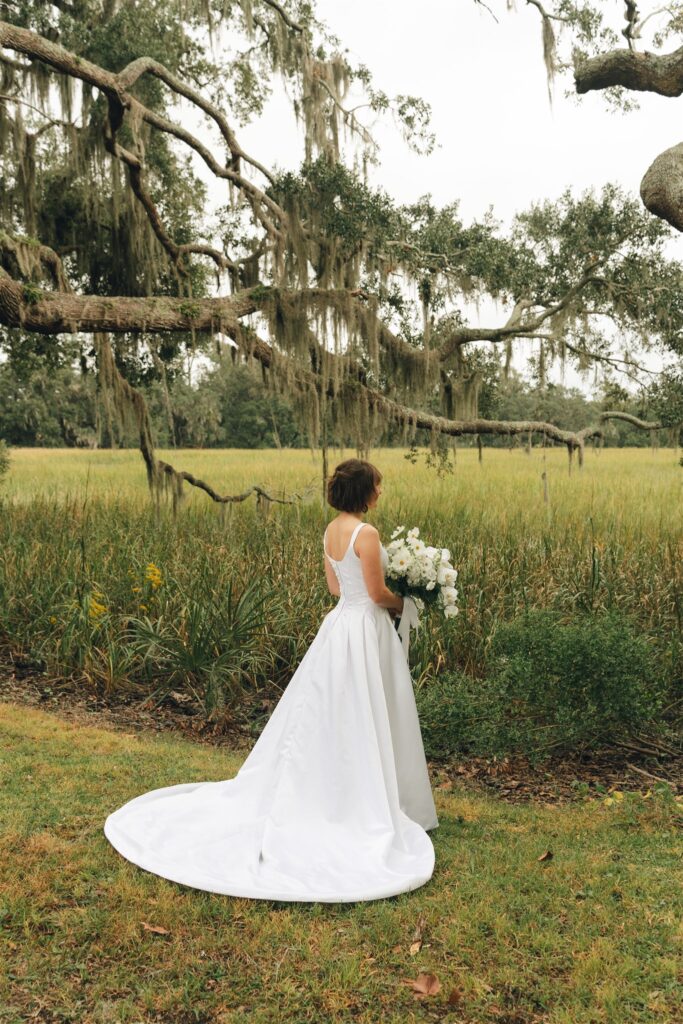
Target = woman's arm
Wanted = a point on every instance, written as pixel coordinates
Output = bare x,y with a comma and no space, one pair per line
369,551
332,581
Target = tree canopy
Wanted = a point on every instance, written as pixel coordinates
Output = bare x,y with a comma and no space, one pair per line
357,308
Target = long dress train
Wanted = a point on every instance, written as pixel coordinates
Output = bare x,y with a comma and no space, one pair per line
332,803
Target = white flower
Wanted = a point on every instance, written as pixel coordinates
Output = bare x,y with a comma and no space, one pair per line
445,555
399,564
441,576
431,585
449,611
431,552
450,576
418,547
399,529
414,532
449,595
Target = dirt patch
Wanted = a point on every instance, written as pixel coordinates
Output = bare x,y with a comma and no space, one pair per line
514,778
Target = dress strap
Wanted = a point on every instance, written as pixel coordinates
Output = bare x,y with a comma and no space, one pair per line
355,533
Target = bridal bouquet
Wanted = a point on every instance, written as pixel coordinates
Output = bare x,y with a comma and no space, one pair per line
422,572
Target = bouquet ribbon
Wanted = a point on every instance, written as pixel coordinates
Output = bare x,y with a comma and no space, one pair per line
410,619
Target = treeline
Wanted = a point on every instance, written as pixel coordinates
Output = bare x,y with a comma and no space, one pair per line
230,406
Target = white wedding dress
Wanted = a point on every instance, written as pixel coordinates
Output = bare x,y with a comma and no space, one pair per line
333,802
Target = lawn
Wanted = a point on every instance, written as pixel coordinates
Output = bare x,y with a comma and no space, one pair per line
588,935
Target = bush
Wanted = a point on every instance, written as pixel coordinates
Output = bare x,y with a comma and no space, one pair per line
550,684
459,714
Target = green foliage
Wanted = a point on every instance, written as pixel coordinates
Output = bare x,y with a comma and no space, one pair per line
550,684
665,397
41,397
32,293
585,680
4,458
211,648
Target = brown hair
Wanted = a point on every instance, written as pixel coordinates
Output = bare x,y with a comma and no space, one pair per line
352,485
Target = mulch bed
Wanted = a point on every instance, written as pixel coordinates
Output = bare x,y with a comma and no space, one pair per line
512,778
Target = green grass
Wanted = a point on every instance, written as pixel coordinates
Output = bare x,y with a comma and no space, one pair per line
590,936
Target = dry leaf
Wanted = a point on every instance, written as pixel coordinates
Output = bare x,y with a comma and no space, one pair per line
456,996
424,985
155,928
415,947
548,855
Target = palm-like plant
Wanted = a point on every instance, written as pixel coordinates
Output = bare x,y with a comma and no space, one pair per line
212,649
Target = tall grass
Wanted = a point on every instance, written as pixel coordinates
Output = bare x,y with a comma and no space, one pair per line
85,558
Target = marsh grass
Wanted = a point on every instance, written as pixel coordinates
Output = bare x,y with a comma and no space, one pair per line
84,555
589,936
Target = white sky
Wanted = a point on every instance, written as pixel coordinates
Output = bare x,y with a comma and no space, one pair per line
500,143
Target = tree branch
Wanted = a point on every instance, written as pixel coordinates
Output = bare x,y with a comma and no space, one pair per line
641,72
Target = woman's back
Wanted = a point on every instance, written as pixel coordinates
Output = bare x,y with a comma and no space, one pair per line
338,536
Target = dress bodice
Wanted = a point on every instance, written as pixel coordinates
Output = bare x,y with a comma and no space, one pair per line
349,571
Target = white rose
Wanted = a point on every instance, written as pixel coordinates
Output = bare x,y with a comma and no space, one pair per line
449,611
449,595
431,552
441,576
451,576
445,555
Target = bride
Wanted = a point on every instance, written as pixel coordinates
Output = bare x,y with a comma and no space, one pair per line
334,802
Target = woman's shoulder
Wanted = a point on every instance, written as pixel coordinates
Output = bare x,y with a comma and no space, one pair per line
369,534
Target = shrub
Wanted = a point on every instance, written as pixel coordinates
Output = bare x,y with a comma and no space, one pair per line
459,714
550,684
588,680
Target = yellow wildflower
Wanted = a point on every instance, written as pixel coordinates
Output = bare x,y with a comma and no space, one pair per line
53,619
153,575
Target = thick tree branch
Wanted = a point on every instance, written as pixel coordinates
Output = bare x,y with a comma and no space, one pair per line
641,72
57,313
633,420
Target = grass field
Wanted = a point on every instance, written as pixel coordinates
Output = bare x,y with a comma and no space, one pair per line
589,936
83,553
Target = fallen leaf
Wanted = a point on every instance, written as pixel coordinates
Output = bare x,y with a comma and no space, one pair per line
415,947
548,855
424,985
456,996
155,928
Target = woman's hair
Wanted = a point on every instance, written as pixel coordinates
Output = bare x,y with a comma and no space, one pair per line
352,485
